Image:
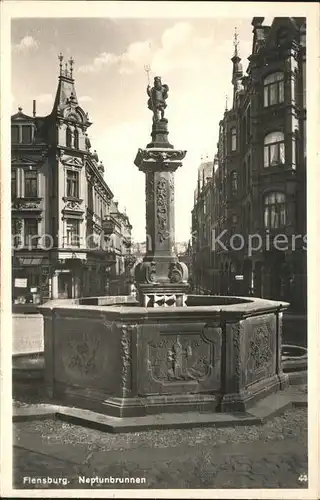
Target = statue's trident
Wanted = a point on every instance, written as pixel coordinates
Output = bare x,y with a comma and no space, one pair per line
147,70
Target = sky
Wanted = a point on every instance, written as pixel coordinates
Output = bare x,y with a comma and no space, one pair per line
191,55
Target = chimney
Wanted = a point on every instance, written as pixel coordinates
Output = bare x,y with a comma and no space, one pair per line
34,108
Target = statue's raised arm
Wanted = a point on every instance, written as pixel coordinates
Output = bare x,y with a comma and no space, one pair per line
157,97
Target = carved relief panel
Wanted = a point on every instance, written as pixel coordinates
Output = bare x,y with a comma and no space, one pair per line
261,347
179,359
86,352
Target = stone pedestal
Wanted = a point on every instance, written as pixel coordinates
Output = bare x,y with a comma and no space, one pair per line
161,279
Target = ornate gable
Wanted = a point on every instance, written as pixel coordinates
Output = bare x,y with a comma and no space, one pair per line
75,115
18,160
281,32
71,161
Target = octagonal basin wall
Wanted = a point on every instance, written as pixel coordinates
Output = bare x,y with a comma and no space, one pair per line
127,360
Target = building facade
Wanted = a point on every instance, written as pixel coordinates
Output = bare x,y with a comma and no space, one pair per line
69,239
258,183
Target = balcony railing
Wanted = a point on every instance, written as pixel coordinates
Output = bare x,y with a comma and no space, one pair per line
108,226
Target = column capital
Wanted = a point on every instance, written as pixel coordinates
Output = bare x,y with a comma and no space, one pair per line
159,159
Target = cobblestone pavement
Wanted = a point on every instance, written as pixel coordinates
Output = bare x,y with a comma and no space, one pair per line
270,456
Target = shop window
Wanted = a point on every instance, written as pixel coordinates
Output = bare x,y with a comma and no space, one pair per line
274,149
30,183
274,210
72,184
273,89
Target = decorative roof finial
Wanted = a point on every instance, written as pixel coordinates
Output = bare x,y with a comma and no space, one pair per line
66,69
226,108
71,61
235,41
60,57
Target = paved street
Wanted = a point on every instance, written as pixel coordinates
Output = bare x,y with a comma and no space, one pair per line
270,456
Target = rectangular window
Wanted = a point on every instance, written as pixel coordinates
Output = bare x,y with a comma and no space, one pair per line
275,215
26,134
72,184
233,139
31,232
294,151
14,134
273,94
304,83
13,183
16,225
30,184
73,238
274,154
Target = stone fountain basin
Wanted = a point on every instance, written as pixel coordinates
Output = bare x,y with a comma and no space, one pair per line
218,353
294,358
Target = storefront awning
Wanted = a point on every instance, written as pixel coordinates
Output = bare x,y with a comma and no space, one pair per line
30,261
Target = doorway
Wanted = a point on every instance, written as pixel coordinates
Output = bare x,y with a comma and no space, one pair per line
65,286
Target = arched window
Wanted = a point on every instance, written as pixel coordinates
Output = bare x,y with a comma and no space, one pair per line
76,139
274,210
234,182
68,138
233,132
274,149
273,89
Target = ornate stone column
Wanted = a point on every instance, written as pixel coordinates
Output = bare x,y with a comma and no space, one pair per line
161,279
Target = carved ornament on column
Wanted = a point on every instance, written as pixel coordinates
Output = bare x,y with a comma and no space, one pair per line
178,272
126,359
149,187
145,272
171,186
161,157
162,209
236,329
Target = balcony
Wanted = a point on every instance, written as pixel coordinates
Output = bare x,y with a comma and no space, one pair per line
108,226
127,242
26,204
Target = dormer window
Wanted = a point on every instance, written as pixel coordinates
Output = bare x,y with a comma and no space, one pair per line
21,134
14,134
26,137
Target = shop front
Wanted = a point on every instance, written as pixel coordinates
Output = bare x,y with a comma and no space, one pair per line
30,282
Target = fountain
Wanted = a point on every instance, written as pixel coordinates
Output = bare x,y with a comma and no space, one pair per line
169,357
